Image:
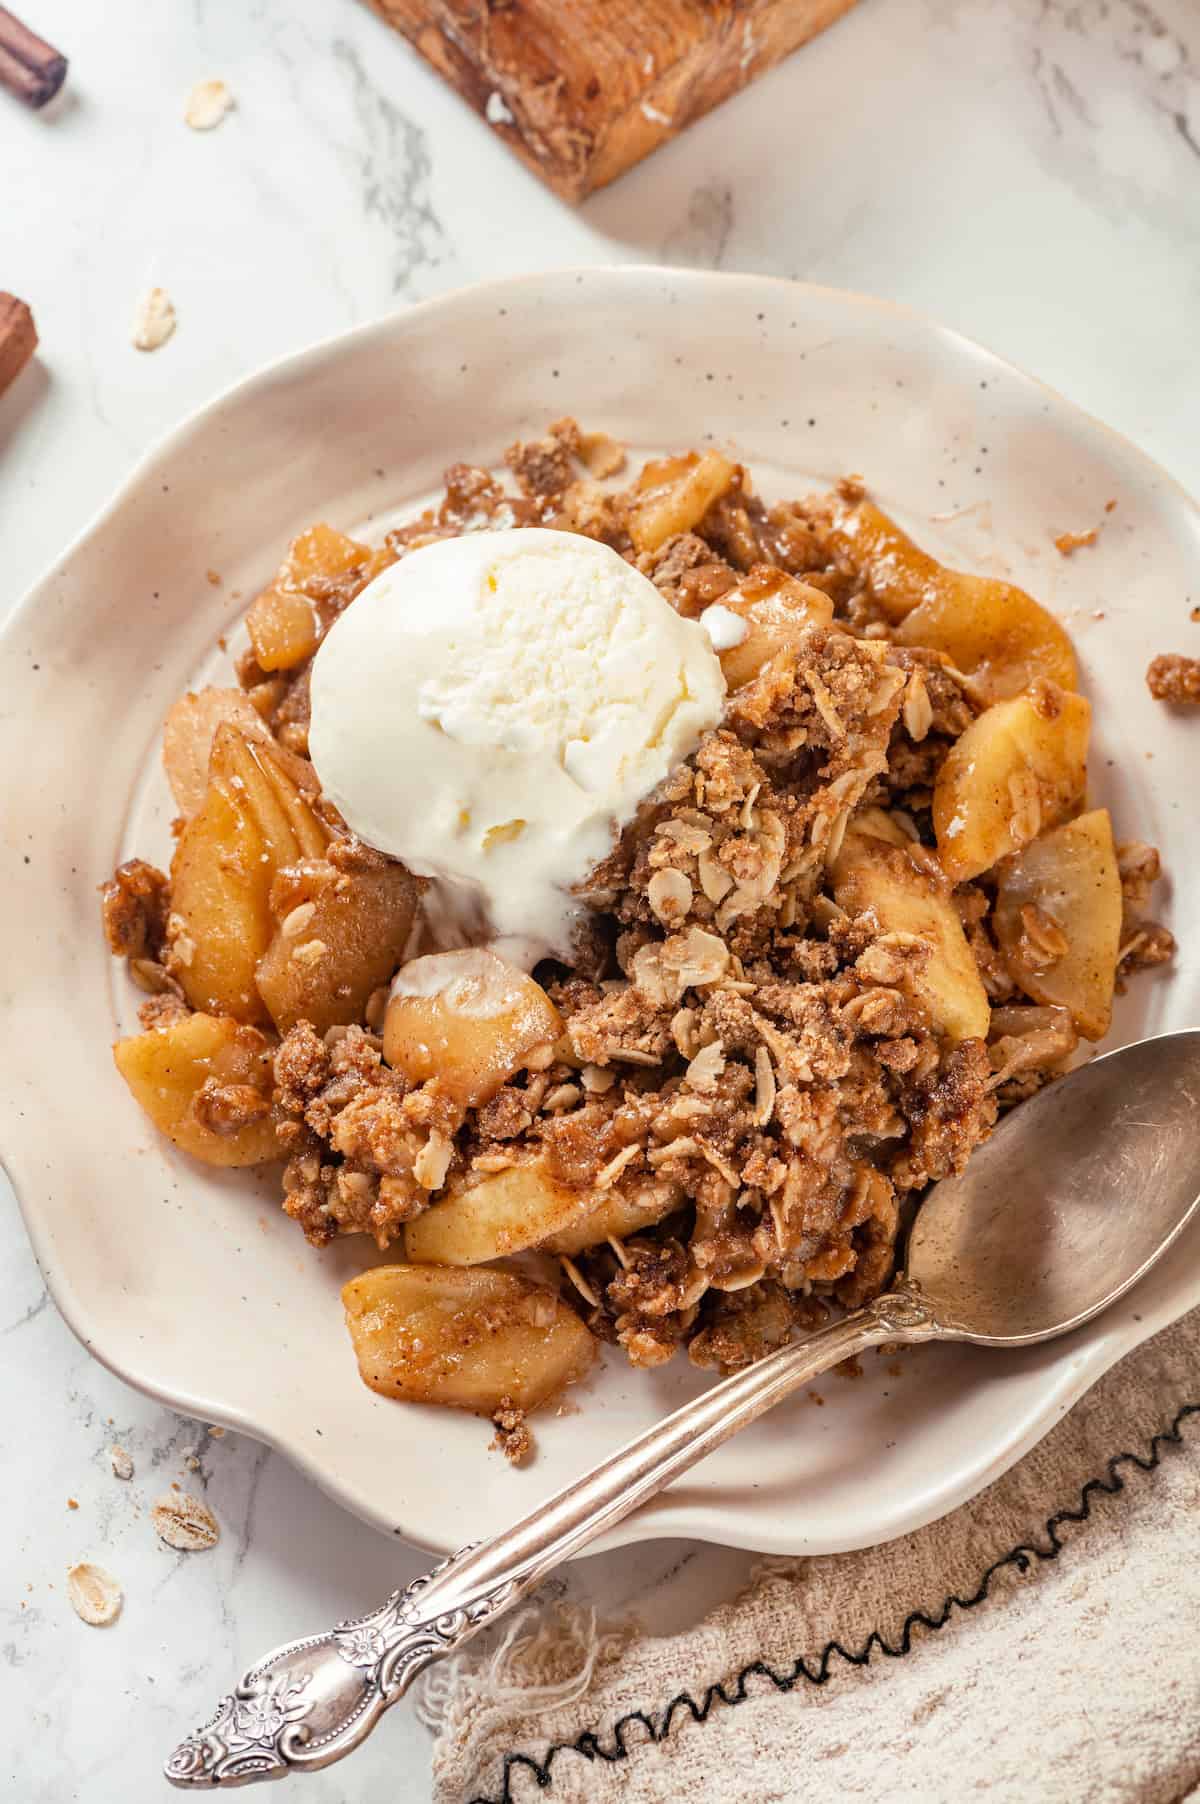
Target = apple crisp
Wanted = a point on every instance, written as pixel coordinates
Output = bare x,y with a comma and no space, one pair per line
870,911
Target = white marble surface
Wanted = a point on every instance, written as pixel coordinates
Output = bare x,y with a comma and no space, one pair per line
1027,170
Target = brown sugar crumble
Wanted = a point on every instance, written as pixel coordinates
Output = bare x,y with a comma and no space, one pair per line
513,1437
1172,678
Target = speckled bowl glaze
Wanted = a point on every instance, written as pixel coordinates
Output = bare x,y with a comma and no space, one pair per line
193,1285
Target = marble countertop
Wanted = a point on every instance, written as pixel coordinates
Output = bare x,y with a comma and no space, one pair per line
1026,170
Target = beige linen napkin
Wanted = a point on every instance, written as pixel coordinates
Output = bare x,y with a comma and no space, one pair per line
1040,1644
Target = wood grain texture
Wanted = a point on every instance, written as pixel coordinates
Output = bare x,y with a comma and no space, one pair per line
583,89
18,338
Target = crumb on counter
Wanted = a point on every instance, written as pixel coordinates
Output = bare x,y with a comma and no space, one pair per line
153,320
206,105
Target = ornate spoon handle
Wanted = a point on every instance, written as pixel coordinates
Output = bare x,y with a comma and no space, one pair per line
313,1701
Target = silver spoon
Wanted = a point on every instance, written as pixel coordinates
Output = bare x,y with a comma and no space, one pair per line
1069,1203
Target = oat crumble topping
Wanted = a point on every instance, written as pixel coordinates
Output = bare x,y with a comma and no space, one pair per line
1172,678
513,1437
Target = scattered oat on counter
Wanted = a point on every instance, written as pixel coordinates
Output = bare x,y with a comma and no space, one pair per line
93,1594
153,321
216,1431
1171,678
207,105
120,1461
185,1523
514,1437
1068,542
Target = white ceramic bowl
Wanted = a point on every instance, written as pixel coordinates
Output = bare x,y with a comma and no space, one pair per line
195,1287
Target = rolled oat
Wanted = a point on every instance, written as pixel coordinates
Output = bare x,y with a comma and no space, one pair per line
93,1594
184,1522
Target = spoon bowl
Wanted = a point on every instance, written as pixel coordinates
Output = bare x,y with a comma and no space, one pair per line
1070,1202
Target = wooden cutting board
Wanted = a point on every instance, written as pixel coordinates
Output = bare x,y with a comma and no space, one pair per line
583,89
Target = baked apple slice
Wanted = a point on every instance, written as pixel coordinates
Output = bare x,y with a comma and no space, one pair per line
469,1338
321,554
285,620
994,633
674,494
873,871
255,819
991,630
188,733
205,1082
468,1018
1019,768
341,937
505,1212
775,610
1058,919
283,628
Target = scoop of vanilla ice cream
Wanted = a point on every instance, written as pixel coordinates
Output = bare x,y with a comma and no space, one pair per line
493,708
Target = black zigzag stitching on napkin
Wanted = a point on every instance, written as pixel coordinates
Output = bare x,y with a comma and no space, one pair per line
657,1725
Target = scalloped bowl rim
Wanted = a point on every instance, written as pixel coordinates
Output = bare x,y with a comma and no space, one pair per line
709,1521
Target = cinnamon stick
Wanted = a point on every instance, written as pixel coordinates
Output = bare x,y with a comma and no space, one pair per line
18,338
29,67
